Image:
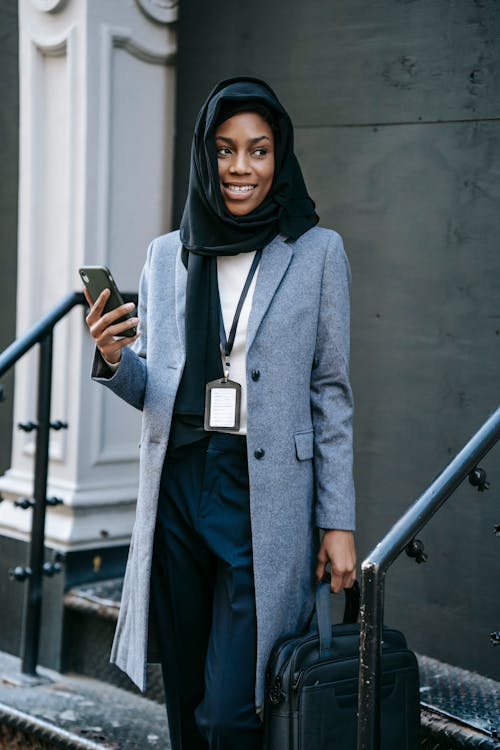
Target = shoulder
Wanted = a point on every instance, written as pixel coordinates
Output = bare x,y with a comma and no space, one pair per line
163,250
321,245
166,243
321,240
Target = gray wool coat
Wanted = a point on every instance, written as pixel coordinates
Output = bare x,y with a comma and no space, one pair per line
299,413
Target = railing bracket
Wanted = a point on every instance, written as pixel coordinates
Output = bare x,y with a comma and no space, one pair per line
477,478
20,573
54,501
415,549
50,569
24,503
27,426
58,425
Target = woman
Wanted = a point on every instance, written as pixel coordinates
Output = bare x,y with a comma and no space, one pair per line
237,477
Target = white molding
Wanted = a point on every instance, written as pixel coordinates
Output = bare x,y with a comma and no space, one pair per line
163,11
16,483
49,6
42,46
113,37
70,528
122,38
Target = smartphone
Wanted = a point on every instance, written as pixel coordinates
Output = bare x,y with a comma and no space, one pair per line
98,278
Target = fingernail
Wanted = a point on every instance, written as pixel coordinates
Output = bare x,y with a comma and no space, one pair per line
130,305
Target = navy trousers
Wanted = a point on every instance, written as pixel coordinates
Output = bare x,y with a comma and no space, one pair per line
202,596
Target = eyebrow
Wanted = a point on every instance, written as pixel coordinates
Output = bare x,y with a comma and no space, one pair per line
251,140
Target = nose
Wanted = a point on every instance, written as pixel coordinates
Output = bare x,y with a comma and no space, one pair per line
240,163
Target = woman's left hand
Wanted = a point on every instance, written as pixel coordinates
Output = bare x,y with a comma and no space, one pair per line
338,549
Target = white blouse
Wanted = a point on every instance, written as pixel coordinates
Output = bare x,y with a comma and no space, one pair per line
232,272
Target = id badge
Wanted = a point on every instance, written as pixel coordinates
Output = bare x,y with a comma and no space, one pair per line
222,406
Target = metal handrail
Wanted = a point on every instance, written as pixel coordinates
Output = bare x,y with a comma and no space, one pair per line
40,333
379,560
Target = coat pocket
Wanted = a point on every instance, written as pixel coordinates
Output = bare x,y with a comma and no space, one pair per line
304,444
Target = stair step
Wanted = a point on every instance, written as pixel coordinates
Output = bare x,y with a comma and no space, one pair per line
459,708
101,598
91,611
70,712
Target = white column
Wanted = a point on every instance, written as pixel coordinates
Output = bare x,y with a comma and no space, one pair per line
97,92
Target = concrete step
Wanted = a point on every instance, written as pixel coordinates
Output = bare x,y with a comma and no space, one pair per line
90,614
71,712
459,708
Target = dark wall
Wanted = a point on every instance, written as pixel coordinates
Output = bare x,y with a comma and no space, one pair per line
9,150
397,114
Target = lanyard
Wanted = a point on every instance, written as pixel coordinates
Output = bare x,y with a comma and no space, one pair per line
228,343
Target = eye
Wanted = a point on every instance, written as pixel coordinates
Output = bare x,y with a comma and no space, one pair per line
223,151
261,151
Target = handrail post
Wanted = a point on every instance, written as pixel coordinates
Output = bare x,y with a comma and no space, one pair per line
33,604
370,654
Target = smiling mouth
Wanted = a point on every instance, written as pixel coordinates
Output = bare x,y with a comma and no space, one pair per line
234,188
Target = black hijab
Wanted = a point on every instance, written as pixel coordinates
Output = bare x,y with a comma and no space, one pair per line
208,229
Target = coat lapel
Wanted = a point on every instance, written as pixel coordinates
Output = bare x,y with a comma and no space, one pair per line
275,260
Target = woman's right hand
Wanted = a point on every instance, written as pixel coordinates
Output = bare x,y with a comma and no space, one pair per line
104,329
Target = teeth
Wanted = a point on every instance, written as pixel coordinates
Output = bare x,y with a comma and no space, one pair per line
240,188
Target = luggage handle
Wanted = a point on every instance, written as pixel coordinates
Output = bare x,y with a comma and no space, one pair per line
323,613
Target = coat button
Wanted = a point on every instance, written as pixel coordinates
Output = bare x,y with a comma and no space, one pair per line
255,374
259,453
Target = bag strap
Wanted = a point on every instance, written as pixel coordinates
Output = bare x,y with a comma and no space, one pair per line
323,613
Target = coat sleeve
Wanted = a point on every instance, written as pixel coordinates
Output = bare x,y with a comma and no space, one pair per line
128,381
331,397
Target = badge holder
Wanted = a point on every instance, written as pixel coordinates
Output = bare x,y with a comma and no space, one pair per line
222,406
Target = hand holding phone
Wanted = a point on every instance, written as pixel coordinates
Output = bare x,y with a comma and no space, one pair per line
98,278
110,320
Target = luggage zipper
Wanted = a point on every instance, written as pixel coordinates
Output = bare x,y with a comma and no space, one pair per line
276,692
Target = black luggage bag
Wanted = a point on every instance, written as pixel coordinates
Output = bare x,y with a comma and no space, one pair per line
312,686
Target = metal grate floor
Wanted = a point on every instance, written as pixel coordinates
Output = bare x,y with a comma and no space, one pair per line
457,693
